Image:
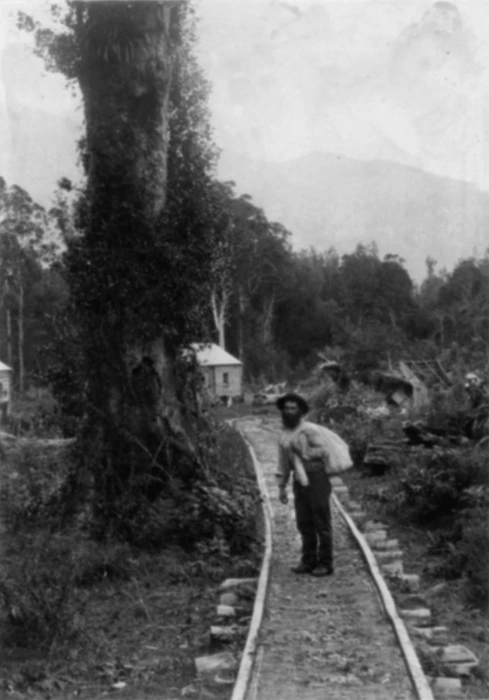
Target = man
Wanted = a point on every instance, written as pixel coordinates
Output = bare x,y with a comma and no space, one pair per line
312,488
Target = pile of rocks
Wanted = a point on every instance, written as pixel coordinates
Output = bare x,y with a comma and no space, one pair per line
228,633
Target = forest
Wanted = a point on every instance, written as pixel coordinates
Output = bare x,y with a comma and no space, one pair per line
271,306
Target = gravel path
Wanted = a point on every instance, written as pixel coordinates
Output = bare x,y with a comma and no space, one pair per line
321,638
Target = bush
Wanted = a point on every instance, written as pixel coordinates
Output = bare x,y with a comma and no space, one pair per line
36,591
98,561
436,484
205,513
221,505
34,475
474,547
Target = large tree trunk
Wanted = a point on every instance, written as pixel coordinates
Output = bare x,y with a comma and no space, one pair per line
241,323
20,338
219,309
10,358
267,336
125,78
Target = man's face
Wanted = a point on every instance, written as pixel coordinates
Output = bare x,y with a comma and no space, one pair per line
291,414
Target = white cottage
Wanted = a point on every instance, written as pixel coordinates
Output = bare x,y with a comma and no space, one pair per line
223,373
5,390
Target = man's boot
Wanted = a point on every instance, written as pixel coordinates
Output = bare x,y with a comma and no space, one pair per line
303,568
322,570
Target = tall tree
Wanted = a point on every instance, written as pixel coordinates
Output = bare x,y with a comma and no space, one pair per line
223,265
122,270
24,226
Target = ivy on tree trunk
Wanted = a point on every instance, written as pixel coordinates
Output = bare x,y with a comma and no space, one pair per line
125,69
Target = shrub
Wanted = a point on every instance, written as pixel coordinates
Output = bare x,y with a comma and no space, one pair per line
32,482
436,484
474,547
36,590
187,518
100,561
221,505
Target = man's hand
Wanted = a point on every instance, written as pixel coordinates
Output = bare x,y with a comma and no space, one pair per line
282,496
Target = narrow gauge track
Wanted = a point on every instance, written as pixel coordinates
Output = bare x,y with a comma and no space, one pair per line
310,639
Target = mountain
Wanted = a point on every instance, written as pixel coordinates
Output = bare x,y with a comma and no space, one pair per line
329,200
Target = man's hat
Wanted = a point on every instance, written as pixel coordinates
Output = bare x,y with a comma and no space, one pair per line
295,398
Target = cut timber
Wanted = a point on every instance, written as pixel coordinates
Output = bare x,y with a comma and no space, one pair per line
359,517
229,599
410,582
386,544
226,611
420,616
393,570
376,536
214,663
448,687
389,555
237,582
373,525
435,636
413,602
458,654
226,634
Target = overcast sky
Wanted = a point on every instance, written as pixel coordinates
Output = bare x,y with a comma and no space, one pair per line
394,80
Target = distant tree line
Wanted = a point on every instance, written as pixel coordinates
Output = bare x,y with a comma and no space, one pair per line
272,307
282,307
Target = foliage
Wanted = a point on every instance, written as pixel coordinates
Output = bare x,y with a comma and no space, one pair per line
32,483
29,285
472,553
49,566
36,590
221,266
218,511
436,484
65,373
139,265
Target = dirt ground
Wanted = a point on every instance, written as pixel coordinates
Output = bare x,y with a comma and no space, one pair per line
322,637
139,641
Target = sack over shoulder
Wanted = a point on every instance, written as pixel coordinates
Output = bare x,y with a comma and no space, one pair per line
336,450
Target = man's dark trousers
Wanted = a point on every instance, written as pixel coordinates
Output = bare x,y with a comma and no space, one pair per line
313,516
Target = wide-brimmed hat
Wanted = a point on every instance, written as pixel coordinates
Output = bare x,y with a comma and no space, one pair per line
295,398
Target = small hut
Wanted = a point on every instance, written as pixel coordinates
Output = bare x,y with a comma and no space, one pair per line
5,391
222,373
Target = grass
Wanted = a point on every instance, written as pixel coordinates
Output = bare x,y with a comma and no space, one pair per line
83,619
426,555
143,632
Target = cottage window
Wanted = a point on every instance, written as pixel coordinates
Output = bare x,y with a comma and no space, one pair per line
225,378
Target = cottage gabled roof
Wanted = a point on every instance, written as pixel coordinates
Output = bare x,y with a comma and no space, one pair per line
5,367
211,355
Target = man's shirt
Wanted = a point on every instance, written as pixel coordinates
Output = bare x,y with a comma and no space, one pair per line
296,454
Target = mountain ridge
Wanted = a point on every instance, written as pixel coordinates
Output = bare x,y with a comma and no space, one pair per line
330,200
